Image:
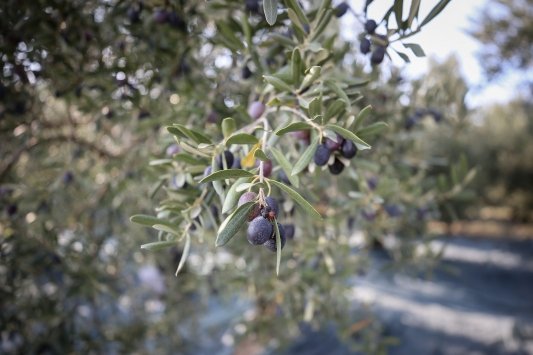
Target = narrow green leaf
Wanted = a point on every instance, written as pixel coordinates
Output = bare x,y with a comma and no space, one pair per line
229,35
296,66
176,132
185,253
196,136
312,74
297,198
435,11
398,11
372,129
271,11
334,109
315,107
361,117
186,158
296,23
158,162
277,83
259,154
158,245
149,221
233,223
232,196
286,166
403,56
306,157
226,174
278,246
413,11
293,4
340,93
293,127
241,138
321,26
361,145
166,228
228,126
415,48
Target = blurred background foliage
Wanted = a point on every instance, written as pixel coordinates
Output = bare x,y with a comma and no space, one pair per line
86,90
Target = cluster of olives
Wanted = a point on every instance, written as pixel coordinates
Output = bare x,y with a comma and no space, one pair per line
339,147
261,230
378,54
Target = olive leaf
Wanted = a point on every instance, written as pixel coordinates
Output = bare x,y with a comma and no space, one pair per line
293,127
158,245
233,223
232,196
185,253
270,8
226,174
361,144
306,157
278,246
297,198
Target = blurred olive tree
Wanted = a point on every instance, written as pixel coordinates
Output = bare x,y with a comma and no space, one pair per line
91,91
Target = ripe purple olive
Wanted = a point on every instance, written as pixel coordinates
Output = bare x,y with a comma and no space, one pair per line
337,167
252,6
303,136
236,164
289,230
134,15
282,176
11,209
270,244
259,231
247,197
393,210
246,73
368,215
228,157
256,109
267,168
334,144
176,21
172,150
377,55
341,9
364,46
68,177
372,182
160,16
410,122
348,149
273,204
208,170
370,26
213,117
322,154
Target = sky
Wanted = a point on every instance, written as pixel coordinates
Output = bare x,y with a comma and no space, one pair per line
442,37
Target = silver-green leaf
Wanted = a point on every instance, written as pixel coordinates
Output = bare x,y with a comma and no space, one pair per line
233,223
